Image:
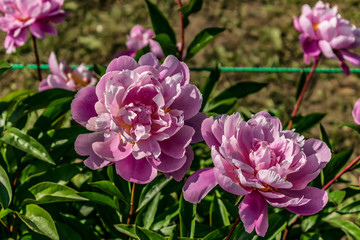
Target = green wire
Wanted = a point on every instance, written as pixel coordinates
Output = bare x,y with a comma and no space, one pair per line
223,69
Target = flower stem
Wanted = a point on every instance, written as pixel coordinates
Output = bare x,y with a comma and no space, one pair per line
36,57
233,228
301,96
182,31
356,160
131,212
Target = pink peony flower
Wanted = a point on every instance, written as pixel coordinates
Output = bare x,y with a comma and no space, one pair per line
35,15
140,38
144,116
356,112
63,76
324,31
263,162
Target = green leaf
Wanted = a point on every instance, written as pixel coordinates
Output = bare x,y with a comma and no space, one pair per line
99,70
221,107
277,223
356,127
219,216
193,7
239,90
159,22
141,52
345,225
67,232
305,123
129,230
337,196
5,189
324,137
336,163
146,216
308,222
210,84
150,191
202,39
167,46
219,233
109,188
40,221
99,198
163,219
25,143
38,101
146,234
48,192
4,66
187,213
5,212
353,207
300,83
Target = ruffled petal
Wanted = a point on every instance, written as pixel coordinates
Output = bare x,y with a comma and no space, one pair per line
83,105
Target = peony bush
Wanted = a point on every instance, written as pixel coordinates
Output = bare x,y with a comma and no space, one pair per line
139,148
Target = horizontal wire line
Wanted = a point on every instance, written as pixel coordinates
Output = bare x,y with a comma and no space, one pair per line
223,69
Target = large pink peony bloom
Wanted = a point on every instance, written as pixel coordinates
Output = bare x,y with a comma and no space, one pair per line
324,31
263,162
144,116
139,38
356,112
63,76
35,15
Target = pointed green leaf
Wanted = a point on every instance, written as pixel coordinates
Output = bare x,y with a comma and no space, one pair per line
5,189
99,70
146,216
40,221
202,39
353,207
347,226
4,66
5,212
150,191
25,143
194,6
337,196
48,192
99,198
167,46
324,137
109,188
335,165
221,107
159,21
219,233
129,230
146,234
305,123
239,90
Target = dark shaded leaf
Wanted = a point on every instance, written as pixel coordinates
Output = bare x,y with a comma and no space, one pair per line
221,107
353,207
336,163
324,137
99,70
150,191
300,84
202,39
187,213
194,6
110,189
210,84
303,124
345,225
25,143
159,22
219,233
146,216
146,234
99,198
239,90
5,189
141,52
129,230
167,46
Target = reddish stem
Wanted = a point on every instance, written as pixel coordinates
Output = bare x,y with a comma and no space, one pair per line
131,212
233,228
36,57
182,30
356,160
301,96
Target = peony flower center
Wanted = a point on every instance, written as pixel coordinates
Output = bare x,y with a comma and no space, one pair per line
79,81
315,27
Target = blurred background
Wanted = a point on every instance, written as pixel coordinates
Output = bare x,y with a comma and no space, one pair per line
258,34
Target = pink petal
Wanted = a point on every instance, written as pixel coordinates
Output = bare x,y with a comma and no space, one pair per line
318,199
83,105
53,64
307,27
253,213
175,146
326,31
342,41
179,174
121,63
326,49
149,59
195,122
38,29
112,148
135,170
189,101
199,184
356,112
351,57
206,131
167,164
